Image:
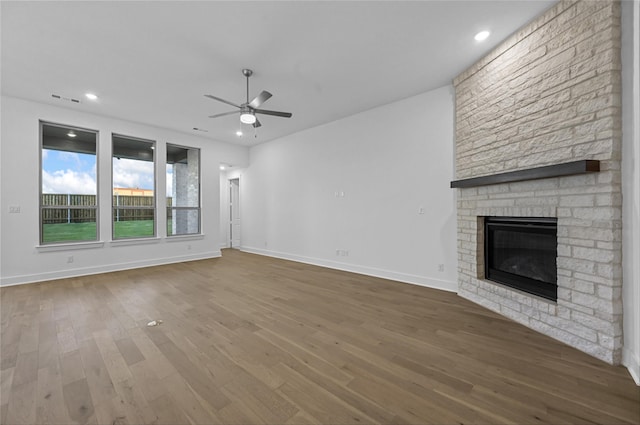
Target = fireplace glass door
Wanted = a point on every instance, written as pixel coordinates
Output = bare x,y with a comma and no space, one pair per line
521,253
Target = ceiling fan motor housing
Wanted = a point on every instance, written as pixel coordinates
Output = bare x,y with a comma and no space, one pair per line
249,109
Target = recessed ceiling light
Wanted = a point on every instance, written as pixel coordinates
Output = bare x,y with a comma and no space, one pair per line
482,35
91,96
71,134
238,133
222,167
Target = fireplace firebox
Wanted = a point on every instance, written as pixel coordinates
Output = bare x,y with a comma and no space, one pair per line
521,253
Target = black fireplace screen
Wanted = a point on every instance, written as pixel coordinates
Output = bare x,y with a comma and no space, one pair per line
521,253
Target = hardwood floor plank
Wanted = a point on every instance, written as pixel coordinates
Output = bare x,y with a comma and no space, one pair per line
111,412
313,400
153,356
78,400
260,399
67,340
136,407
98,378
26,370
247,339
47,344
147,380
191,406
50,404
71,367
9,343
21,408
6,381
29,336
129,351
201,385
116,365
167,413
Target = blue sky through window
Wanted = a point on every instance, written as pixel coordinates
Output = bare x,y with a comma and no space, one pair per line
68,172
75,173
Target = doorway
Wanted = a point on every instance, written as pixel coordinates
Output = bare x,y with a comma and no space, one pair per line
234,213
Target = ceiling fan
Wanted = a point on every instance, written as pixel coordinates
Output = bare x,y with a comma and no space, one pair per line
249,109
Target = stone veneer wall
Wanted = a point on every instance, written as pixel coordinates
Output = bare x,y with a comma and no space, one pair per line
549,94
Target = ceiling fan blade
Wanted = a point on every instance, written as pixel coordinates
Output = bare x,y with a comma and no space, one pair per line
221,100
257,123
274,113
223,114
260,99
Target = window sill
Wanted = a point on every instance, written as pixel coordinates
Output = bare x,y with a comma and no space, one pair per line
178,238
134,241
69,246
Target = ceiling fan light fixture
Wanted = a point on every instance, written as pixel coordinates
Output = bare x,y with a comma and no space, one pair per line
247,118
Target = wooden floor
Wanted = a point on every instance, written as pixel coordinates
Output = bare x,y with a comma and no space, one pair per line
247,339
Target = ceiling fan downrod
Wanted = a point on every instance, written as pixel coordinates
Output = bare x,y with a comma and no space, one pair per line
247,73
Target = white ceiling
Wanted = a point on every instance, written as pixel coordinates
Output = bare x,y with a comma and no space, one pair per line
152,62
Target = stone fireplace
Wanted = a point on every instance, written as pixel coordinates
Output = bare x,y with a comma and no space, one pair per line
549,95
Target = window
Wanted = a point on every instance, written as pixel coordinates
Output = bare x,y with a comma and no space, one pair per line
68,184
183,190
134,200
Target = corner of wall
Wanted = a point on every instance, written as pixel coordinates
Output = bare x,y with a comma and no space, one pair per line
631,185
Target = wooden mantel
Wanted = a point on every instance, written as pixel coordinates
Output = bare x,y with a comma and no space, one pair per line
558,170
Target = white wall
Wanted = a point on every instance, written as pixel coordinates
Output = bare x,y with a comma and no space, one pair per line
22,261
357,185
631,185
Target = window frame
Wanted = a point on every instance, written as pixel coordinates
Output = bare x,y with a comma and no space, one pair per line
154,208
41,207
175,208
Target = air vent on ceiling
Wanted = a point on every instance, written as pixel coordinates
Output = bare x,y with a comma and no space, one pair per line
68,99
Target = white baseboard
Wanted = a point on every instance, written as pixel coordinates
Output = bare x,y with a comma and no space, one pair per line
444,285
632,362
84,271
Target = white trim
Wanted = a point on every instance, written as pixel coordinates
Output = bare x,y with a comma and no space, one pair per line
632,362
134,241
62,274
444,285
178,238
69,246
631,185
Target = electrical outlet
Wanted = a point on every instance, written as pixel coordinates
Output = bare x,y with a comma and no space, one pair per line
14,209
421,210
440,267
188,247
70,259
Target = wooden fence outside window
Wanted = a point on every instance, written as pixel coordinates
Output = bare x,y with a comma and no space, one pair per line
70,208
